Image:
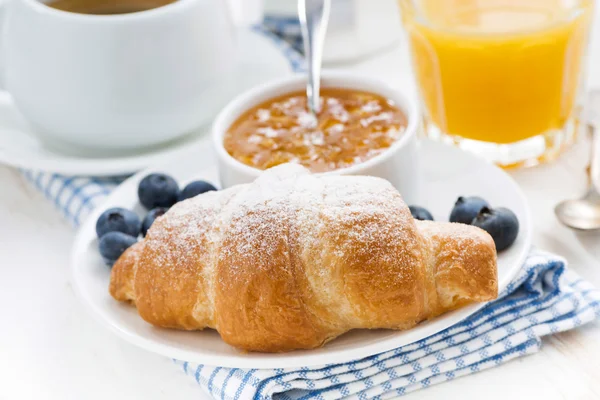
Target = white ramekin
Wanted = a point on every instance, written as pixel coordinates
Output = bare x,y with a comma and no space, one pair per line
398,164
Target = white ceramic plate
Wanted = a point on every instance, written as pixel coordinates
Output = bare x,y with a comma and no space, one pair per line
260,61
446,174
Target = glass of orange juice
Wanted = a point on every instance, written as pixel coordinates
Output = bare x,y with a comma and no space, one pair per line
501,78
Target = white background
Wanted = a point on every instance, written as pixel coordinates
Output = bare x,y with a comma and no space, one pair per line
51,349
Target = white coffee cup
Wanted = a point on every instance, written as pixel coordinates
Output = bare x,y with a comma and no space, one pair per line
117,82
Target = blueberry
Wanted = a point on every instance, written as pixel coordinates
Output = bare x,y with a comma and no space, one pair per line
501,223
420,213
113,244
195,188
158,190
466,209
151,217
118,220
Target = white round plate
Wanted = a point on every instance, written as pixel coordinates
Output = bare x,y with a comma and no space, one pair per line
447,173
260,61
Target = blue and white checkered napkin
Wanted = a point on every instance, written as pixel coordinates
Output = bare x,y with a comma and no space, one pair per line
545,298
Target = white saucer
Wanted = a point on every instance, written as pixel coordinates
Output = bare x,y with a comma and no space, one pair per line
260,61
447,173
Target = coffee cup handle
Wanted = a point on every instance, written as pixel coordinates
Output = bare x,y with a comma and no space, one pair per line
246,12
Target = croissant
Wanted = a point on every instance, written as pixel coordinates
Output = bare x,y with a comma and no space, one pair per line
293,260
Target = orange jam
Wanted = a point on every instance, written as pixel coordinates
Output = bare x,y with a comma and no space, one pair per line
352,127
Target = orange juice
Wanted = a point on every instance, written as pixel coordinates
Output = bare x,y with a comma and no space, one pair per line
498,71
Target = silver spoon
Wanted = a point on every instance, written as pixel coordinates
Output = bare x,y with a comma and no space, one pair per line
584,214
581,214
314,15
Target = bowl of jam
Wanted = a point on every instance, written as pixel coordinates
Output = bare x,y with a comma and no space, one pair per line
364,127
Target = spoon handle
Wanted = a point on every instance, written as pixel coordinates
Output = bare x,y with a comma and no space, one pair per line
314,15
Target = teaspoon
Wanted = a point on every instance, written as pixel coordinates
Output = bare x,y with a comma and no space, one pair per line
314,15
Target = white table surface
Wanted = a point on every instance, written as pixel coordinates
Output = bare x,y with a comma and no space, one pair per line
50,348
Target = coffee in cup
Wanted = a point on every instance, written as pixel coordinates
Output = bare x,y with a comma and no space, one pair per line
106,7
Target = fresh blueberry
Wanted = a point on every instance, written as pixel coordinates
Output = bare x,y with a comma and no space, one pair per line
158,190
151,217
466,209
113,244
195,188
501,223
420,213
118,220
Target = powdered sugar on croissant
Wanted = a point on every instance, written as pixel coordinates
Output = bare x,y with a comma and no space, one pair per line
294,260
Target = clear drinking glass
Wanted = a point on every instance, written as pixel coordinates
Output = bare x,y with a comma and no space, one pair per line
501,78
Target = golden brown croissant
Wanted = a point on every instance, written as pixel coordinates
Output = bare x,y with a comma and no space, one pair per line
294,260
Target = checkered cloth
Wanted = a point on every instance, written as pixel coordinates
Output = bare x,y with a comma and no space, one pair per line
287,28
545,298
